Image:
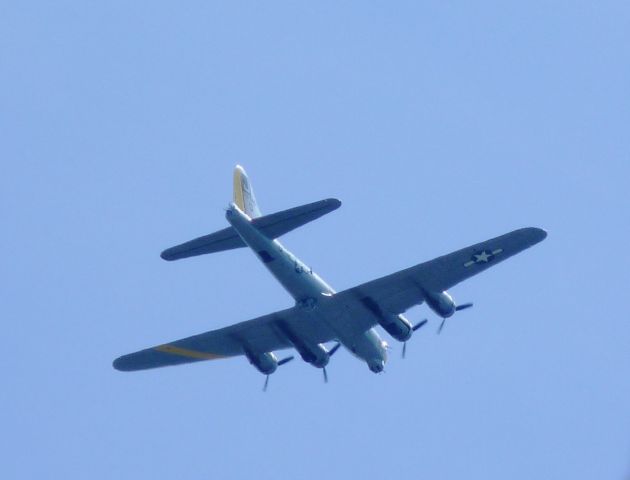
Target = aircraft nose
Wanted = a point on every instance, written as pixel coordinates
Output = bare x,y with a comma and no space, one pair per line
377,366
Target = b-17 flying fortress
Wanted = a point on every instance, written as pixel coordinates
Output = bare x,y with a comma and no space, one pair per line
320,315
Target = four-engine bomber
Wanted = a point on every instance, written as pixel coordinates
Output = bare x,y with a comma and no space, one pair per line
321,316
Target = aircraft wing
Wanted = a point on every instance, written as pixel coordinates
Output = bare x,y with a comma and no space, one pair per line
399,291
393,293
262,334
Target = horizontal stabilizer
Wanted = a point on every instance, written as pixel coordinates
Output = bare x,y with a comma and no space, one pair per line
273,225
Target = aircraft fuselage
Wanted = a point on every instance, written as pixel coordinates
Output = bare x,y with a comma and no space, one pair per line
308,289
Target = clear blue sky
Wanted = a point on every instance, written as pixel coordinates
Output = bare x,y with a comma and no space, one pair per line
438,124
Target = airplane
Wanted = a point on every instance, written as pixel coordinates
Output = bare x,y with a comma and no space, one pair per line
320,315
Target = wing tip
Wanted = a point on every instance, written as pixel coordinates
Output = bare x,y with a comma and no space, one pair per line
334,202
537,234
121,364
168,255
530,236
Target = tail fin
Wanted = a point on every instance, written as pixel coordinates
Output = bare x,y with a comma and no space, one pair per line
244,193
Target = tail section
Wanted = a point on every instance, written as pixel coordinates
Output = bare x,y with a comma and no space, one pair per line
273,225
244,193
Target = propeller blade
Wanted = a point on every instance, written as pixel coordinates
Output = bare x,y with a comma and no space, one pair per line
266,383
441,326
332,351
285,360
419,324
413,328
463,307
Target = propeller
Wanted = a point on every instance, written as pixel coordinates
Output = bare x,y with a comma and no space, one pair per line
413,329
439,330
285,360
331,352
280,363
463,306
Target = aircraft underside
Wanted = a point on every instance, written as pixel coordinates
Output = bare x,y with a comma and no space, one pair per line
321,319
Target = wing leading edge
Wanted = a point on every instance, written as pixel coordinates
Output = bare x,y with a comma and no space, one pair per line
260,335
399,291
393,293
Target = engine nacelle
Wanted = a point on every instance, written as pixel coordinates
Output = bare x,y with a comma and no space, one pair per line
316,355
265,363
397,326
441,303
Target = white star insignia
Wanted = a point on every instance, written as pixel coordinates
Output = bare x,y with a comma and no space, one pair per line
482,257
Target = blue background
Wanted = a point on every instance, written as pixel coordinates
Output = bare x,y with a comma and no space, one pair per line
438,124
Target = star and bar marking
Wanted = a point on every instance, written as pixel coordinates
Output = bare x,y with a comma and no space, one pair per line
484,256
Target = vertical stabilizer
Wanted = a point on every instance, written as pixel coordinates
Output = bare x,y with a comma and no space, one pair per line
244,193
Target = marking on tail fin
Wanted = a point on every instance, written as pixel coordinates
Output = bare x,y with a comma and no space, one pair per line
244,193
239,199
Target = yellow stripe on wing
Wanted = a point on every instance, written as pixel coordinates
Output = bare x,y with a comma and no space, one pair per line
184,352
